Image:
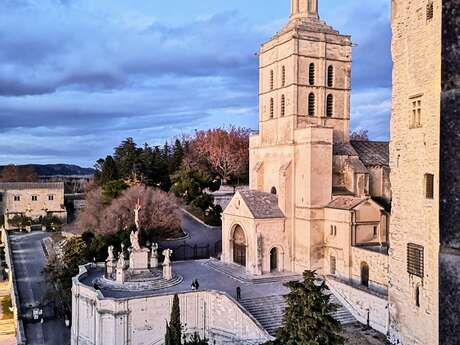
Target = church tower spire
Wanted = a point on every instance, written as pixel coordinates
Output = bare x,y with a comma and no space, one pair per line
304,9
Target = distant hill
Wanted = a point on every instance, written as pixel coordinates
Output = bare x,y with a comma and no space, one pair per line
58,169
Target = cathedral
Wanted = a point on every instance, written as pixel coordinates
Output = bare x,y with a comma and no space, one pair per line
314,195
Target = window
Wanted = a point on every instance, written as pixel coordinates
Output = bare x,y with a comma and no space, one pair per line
364,274
311,74
330,106
51,197
1,197
415,260
429,186
333,230
34,198
429,10
273,191
17,198
417,296
272,80
330,76
283,105
416,116
272,108
283,76
311,104
375,231
333,265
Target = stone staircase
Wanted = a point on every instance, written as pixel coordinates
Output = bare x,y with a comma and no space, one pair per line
269,312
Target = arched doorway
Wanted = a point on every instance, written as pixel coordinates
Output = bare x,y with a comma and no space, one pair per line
274,260
365,274
239,246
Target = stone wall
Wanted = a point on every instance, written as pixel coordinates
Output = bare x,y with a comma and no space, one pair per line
142,321
378,268
414,152
366,306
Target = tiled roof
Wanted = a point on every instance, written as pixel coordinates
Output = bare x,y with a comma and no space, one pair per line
31,185
344,149
262,205
356,165
345,202
372,152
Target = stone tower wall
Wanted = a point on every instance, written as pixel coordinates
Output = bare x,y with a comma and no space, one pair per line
414,152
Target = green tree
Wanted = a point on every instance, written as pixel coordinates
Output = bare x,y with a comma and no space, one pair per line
174,328
307,319
113,189
177,156
126,157
109,171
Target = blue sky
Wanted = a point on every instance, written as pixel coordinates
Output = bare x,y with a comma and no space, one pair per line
79,76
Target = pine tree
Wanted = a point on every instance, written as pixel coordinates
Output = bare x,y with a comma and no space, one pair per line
174,328
177,156
307,319
109,171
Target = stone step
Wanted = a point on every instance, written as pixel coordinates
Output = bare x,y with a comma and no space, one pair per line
269,312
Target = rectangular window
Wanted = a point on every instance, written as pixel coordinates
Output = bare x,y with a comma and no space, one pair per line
17,198
1,197
51,197
415,260
429,186
375,231
416,115
429,11
333,265
333,230
34,198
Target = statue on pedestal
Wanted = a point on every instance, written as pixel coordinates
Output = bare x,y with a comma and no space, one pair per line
121,266
110,261
167,269
154,256
134,239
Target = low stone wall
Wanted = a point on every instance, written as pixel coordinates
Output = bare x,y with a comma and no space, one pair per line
378,268
119,321
366,306
20,333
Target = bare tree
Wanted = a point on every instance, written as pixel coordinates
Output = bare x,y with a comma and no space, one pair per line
360,135
13,173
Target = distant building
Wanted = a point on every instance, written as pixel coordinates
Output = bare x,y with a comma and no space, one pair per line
34,200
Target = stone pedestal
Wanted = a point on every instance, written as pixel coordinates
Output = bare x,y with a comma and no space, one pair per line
139,260
121,275
110,267
167,272
154,260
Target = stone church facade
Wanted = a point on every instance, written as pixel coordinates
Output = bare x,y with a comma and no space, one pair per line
314,194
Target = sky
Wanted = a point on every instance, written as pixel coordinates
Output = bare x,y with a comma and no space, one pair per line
79,76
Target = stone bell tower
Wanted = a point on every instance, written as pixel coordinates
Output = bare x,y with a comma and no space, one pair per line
305,77
304,108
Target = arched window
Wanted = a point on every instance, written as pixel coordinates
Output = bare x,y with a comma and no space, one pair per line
364,274
272,108
272,80
273,259
311,104
330,76
311,74
273,191
330,106
417,296
283,105
283,76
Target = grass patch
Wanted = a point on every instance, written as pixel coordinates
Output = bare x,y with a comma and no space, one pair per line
6,304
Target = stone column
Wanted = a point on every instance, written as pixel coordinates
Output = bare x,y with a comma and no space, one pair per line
167,269
154,256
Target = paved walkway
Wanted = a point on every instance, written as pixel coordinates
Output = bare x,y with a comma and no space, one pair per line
29,260
199,234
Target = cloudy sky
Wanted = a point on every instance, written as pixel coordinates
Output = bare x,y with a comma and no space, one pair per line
78,76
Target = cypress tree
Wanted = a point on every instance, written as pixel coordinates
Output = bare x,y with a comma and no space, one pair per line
307,319
174,328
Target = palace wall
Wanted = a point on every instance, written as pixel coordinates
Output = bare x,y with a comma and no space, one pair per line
414,152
